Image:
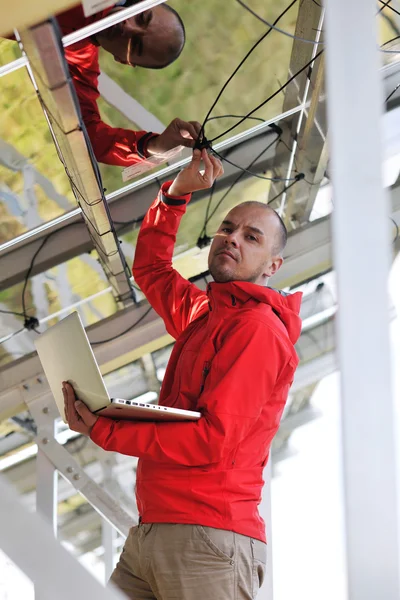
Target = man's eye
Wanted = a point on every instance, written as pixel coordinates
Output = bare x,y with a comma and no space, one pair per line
226,230
252,238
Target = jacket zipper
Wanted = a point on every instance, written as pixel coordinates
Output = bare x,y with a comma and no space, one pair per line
206,370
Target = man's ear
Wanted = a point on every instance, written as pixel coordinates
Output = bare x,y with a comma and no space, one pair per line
273,266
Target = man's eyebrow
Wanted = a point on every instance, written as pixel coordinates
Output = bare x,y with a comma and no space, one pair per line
255,229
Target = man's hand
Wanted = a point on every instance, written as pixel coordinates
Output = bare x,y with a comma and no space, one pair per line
178,133
77,414
191,179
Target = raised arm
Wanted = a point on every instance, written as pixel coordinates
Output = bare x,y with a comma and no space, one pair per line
251,374
176,300
115,145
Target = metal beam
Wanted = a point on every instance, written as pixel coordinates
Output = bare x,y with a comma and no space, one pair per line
361,250
128,106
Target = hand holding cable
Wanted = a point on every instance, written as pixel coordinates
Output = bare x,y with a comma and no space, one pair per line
178,133
193,178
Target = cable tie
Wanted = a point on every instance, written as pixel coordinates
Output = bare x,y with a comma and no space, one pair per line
299,176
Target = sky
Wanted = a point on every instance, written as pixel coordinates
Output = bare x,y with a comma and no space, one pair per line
308,549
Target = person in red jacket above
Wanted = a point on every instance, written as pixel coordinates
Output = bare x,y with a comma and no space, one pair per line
152,39
199,484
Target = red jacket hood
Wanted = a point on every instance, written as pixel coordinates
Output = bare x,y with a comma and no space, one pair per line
285,306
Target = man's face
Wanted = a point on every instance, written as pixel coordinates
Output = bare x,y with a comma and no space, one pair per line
142,40
243,248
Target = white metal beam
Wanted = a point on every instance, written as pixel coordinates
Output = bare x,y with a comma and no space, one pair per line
361,253
128,106
28,541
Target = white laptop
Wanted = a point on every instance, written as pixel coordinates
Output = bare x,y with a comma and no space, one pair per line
66,355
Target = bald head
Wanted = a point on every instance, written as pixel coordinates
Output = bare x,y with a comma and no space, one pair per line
281,231
248,245
152,39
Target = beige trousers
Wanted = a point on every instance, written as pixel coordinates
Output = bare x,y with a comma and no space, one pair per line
189,562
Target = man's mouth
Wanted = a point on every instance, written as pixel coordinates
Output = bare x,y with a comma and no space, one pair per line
227,253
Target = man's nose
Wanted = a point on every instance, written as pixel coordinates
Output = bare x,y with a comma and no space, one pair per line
231,239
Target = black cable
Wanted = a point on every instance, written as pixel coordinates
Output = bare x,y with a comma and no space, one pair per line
392,93
270,97
9,337
390,41
12,312
203,238
115,337
397,230
131,222
235,117
286,188
249,172
387,5
31,265
201,135
295,37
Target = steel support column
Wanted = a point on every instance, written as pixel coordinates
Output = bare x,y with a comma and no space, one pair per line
361,255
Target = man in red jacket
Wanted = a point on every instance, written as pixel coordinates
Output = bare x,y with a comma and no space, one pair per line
199,484
152,39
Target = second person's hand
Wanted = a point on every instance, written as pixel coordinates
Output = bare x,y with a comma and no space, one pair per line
192,178
178,133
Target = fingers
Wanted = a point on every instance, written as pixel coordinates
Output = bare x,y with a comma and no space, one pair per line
217,164
187,142
188,127
85,414
213,167
69,404
208,176
197,127
196,160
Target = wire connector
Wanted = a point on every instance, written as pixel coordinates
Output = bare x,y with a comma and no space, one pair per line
299,176
31,323
202,143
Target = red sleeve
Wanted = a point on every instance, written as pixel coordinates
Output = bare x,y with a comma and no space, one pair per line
254,364
111,145
176,300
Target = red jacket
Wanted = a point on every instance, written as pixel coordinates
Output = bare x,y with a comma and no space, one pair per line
111,145
234,361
